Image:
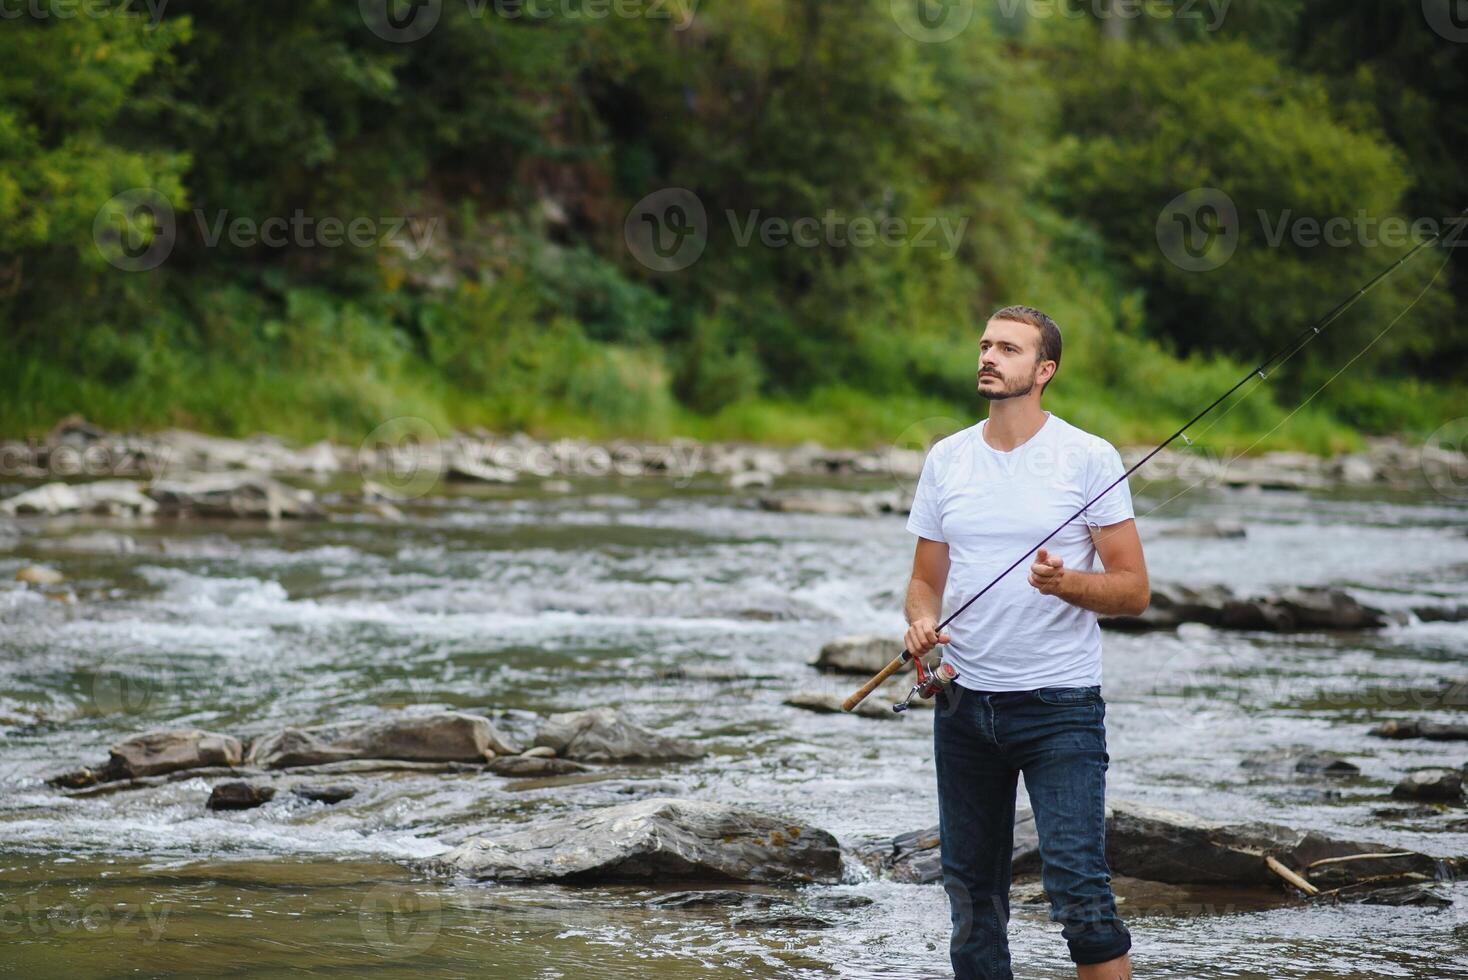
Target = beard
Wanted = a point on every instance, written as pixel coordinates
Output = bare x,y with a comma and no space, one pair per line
1009,390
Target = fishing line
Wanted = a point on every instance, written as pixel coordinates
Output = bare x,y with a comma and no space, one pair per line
1371,343
1281,355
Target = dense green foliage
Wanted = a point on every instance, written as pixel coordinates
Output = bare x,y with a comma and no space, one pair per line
494,162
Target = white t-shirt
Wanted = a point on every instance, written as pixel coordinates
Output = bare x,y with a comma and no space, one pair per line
991,507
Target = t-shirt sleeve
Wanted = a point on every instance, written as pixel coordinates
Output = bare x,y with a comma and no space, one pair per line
924,518
1103,466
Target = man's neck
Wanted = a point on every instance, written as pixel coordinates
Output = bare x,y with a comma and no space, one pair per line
1012,421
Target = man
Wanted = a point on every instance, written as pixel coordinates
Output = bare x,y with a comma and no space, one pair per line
1027,696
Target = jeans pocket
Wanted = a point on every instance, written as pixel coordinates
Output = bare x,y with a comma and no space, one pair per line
1068,696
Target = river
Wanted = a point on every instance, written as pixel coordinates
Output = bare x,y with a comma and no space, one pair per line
515,602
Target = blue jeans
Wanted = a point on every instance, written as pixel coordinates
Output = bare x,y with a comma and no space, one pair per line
981,742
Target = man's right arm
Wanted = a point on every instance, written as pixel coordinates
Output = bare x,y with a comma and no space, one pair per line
925,596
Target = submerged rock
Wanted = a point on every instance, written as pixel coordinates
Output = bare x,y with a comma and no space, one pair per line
655,840
239,795
533,765
325,794
447,736
1301,761
824,702
606,735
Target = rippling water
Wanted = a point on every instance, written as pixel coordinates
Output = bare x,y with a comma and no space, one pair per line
513,603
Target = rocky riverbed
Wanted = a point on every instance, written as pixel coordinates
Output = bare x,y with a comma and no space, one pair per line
565,723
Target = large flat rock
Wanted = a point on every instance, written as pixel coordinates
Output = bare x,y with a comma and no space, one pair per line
656,840
448,736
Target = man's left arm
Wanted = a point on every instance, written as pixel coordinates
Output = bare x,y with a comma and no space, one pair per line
1121,590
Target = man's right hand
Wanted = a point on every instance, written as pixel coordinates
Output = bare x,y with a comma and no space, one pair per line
922,635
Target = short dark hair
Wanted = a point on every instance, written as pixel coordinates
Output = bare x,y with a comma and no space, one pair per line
1049,332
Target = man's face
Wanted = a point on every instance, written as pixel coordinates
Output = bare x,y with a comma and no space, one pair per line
1007,359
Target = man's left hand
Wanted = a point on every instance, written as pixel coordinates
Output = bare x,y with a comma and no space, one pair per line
1047,572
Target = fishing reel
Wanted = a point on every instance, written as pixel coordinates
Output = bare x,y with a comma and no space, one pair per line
929,682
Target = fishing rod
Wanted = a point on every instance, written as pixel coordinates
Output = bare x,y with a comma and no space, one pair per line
931,681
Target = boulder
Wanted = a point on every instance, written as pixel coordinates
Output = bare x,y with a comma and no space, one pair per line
1303,608
1308,608
605,735
239,795
1430,784
157,752
656,840
1180,848
447,736
863,655
1172,605
1420,728
242,494
916,857
39,575
114,497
